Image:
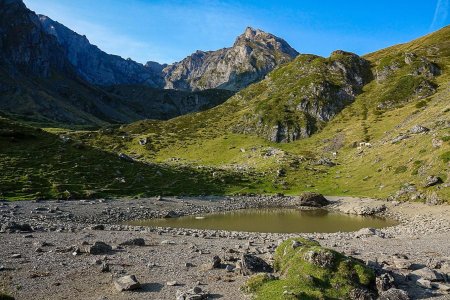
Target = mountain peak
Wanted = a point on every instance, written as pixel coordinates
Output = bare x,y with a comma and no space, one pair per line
265,40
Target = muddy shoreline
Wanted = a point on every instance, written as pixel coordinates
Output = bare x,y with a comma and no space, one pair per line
48,269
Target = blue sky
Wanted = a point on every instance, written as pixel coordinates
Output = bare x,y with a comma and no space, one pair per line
169,30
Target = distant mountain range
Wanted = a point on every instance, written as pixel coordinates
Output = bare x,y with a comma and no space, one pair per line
49,73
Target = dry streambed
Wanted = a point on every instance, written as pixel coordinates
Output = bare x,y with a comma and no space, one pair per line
75,249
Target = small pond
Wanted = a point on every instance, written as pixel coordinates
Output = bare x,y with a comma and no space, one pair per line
272,221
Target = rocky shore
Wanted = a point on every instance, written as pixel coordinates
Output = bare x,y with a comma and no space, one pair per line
81,249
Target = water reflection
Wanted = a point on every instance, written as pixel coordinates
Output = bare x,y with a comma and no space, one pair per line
273,221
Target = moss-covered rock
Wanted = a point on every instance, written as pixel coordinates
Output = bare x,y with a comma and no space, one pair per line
308,271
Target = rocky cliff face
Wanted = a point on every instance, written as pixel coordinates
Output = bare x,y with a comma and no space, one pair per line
24,47
298,98
253,55
98,67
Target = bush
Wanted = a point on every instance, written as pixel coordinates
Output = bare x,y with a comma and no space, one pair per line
445,157
401,169
421,104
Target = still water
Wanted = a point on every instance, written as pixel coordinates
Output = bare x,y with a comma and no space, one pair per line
273,221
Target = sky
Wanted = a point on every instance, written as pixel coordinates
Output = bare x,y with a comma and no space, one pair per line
169,30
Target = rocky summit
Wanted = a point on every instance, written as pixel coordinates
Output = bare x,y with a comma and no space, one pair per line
254,54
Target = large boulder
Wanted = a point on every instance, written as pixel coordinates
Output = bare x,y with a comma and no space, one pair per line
432,181
251,264
311,200
127,283
134,242
98,248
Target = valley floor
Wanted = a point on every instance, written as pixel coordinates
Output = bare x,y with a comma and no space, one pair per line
50,262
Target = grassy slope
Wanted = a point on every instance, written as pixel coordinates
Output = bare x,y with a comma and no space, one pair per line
38,164
207,138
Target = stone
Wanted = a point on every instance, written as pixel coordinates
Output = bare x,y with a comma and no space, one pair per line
98,227
427,274
311,199
366,232
229,268
433,199
143,142
423,283
251,264
171,283
216,262
296,244
105,268
432,181
399,138
437,143
127,283
134,242
99,248
361,294
384,282
125,157
171,214
321,258
418,129
393,294
195,293
401,263
11,227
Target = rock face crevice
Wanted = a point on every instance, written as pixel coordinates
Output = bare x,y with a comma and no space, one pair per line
254,54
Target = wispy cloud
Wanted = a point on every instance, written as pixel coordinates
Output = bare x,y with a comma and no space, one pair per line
113,42
440,14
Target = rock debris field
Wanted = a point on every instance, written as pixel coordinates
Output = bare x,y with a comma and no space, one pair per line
80,249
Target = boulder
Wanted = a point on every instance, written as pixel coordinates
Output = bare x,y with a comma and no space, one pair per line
251,264
99,248
321,258
125,157
418,129
127,283
427,274
384,282
432,180
311,200
423,283
195,293
134,242
171,214
366,232
11,227
393,294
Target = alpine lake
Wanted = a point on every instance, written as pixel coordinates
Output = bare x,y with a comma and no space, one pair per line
272,221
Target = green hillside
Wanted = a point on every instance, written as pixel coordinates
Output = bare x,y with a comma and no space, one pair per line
300,129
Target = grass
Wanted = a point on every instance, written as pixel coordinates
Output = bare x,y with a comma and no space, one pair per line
37,164
311,272
226,141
